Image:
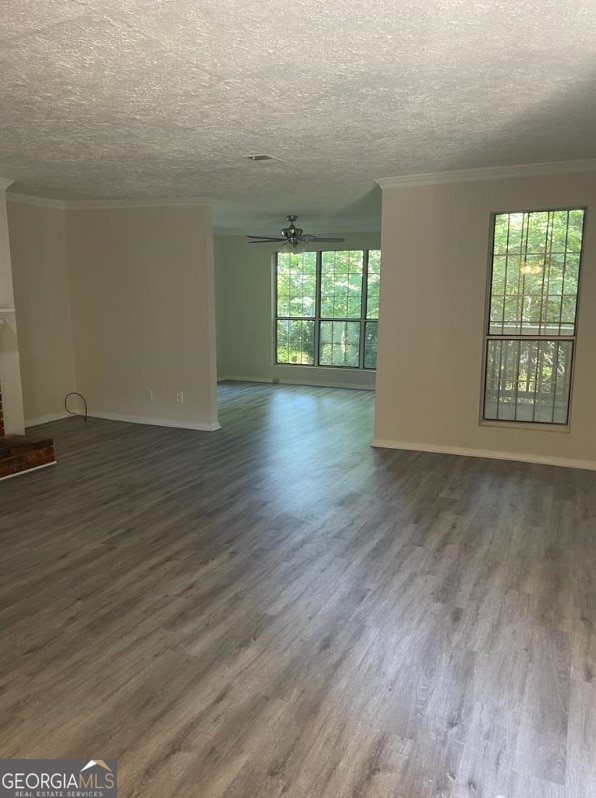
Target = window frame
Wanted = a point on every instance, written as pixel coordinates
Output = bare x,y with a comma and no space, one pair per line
551,426
317,319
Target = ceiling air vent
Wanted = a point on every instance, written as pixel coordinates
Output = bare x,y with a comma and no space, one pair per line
261,158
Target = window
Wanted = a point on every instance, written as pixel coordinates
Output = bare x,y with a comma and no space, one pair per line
327,308
531,329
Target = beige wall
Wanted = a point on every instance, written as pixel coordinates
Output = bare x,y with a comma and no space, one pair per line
143,312
10,368
435,242
42,297
244,291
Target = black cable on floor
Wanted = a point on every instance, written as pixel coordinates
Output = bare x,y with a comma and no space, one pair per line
74,412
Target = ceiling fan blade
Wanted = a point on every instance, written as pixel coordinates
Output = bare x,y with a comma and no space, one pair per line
291,235
267,238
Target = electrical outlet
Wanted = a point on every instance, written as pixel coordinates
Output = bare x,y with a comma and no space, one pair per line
180,397
149,394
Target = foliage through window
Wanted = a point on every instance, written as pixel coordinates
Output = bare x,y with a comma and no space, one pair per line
531,332
328,308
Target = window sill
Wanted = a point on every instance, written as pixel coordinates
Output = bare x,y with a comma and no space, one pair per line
325,368
527,425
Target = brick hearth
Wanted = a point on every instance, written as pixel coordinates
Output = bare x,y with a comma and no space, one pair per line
20,453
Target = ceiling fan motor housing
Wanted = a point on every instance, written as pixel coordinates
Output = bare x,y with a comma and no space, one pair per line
291,233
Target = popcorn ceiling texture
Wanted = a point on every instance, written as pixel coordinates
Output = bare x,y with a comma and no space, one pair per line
146,99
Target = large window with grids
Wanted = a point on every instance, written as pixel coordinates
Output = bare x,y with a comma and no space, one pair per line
327,308
532,317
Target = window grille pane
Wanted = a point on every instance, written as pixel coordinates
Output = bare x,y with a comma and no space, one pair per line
296,341
339,343
535,273
528,380
296,284
371,337
341,285
374,279
320,308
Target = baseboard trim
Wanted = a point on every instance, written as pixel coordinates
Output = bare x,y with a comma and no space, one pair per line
37,422
155,422
283,381
29,470
245,379
520,457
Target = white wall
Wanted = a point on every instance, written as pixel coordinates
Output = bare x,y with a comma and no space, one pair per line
244,291
435,242
143,312
42,297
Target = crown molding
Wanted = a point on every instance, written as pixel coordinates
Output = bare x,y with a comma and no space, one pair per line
26,199
488,173
182,202
82,205
5,183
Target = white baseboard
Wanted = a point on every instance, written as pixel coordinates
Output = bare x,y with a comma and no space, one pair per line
36,422
155,422
28,470
245,379
350,385
520,457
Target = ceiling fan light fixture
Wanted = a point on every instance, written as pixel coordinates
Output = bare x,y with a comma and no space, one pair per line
289,246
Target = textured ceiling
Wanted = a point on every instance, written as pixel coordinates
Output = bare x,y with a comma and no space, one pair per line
163,98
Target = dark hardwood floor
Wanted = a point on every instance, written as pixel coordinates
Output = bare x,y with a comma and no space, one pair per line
277,609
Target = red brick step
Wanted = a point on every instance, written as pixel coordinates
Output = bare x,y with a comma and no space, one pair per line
20,453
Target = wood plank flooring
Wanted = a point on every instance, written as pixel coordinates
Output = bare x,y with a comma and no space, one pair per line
277,609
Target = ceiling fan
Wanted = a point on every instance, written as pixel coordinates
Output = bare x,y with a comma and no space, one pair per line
292,238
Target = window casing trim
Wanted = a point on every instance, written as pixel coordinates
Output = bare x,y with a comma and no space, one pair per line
318,319
551,426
